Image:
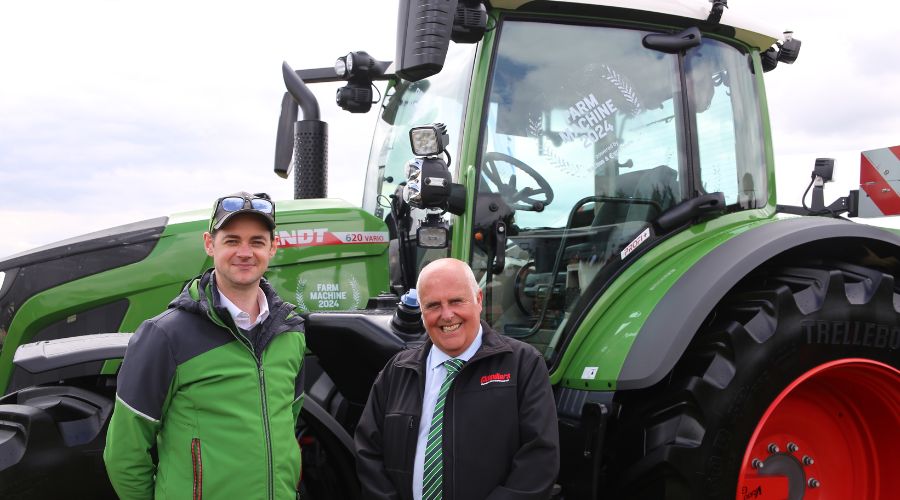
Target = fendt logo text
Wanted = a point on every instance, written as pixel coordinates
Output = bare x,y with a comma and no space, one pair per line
322,236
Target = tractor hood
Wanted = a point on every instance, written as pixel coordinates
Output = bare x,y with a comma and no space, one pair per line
331,255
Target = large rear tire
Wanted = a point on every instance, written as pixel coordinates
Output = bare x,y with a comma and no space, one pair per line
790,390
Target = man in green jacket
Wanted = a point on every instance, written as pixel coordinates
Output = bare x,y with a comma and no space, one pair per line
213,383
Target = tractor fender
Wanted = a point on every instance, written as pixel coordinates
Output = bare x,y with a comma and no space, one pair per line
694,295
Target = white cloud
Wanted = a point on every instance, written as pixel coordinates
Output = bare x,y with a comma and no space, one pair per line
112,112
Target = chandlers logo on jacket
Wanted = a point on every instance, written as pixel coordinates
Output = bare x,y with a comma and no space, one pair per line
495,377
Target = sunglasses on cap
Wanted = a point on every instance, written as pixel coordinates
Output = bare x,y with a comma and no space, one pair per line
244,202
235,203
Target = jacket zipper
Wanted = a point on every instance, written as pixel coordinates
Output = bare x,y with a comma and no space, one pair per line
265,411
270,486
198,469
270,473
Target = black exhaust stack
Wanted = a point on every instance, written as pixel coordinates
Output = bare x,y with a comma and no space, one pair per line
302,145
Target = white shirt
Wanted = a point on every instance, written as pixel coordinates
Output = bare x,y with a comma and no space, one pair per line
242,318
435,373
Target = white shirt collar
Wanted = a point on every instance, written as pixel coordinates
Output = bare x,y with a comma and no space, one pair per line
242,318
437,357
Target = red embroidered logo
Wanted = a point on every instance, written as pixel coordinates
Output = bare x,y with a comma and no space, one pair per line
496,377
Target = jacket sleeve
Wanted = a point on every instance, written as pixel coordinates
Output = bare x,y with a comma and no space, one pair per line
373,479
142,390
536,464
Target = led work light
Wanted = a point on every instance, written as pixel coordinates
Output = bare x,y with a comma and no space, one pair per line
429,140
429,185
433,232
359,69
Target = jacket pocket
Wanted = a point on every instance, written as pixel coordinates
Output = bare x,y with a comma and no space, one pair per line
197,462
400,432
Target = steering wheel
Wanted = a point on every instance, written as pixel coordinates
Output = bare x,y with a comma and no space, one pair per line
518,199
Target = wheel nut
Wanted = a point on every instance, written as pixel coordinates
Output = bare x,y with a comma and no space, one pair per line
808,460
757,463
773,448
813,482
792,447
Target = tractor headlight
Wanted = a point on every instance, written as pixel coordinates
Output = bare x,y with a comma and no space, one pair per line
429,183
428,140
354,97
433,233
340,67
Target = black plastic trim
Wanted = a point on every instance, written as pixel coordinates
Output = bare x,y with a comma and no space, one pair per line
22,379
314,410
101,319
674,321
68,260
128,234
353,347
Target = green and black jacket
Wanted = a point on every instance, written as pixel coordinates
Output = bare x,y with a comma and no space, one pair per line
219,404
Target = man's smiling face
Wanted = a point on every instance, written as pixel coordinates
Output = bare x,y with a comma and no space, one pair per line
241,251
451,305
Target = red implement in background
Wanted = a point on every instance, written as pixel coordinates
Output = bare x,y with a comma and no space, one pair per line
879,181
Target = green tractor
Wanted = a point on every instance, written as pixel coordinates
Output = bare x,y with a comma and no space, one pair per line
607,170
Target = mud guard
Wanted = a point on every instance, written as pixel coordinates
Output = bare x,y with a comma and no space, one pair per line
696,293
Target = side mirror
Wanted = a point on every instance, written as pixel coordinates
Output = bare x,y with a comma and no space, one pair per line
423,37
424,31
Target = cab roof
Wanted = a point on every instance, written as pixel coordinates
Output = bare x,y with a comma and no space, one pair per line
746,29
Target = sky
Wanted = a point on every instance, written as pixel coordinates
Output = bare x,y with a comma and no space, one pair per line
117,111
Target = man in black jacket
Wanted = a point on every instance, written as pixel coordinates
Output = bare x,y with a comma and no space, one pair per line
469,415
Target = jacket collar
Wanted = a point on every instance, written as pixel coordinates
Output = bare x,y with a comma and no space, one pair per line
491,343
200,296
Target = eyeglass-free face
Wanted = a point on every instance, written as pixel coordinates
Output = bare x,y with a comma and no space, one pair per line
241,252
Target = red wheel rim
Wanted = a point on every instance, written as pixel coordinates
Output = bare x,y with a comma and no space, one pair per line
833,433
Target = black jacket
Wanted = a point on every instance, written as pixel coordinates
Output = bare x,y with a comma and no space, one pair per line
499,423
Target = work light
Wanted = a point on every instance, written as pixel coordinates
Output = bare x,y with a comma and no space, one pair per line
357,64
340,67
428,140
358,68
355,97
433,232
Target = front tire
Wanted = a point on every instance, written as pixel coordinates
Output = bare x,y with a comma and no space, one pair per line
796,363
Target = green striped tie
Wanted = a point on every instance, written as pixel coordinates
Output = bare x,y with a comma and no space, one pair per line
433,473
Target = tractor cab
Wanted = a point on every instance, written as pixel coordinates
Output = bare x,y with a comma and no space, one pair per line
579,138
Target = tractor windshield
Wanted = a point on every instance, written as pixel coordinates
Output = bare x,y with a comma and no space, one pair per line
440,98
588,136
